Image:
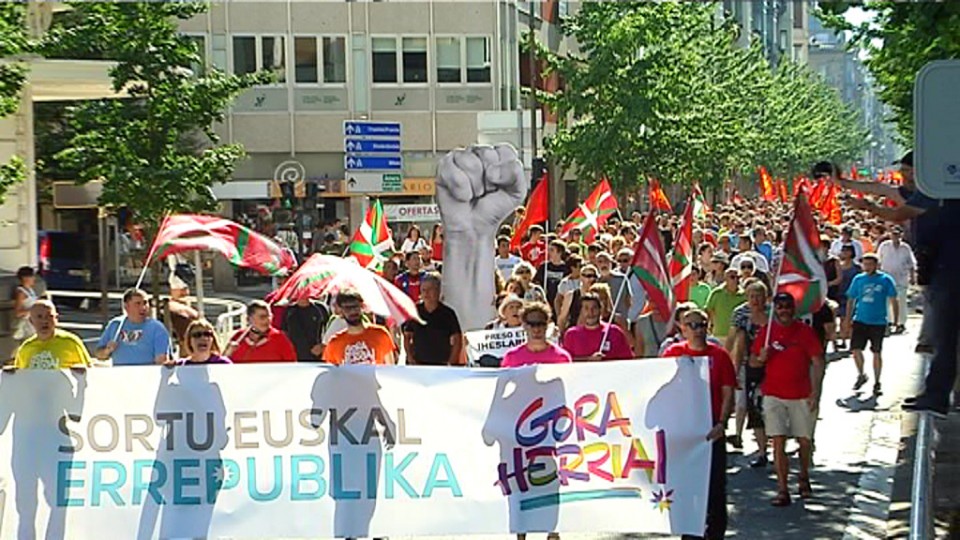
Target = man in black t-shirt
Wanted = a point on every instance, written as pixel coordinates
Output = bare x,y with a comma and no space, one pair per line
439,340
303,323
550,273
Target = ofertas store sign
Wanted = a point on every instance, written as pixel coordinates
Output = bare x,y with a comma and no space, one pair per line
411,212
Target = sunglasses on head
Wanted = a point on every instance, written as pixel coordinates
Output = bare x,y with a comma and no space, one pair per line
536,324
198,335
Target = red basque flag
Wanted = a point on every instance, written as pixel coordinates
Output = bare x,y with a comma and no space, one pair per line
650,266
830,208
767,191
240,245
681,257
782,190
818,194
592,214
801,184
658,199
538,211
801,273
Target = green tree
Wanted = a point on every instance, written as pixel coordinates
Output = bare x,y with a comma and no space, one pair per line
156,152
13,42
661,90
899,39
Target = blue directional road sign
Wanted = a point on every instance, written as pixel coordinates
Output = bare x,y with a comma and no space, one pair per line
371,129
374,146
372,163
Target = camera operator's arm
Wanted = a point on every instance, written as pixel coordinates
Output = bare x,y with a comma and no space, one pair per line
901,213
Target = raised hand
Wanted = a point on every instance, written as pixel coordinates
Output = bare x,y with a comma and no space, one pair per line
477,188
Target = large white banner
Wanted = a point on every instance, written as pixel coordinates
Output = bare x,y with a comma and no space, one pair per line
314,451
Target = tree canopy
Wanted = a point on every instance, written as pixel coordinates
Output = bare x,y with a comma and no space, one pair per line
13,42
156,151
899,38
661,90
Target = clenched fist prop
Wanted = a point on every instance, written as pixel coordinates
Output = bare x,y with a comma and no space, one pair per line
477,188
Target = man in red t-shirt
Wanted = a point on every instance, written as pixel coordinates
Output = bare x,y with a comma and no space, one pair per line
723,379
789,396
260,342
535,250
409,281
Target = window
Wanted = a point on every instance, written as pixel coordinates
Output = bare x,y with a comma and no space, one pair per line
798,19
305,60
200,44
448,60
478,60
273,56
244,55
254,53
334,60
384,60
414,59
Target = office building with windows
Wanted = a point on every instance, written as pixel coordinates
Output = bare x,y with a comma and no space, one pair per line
781,25
449,72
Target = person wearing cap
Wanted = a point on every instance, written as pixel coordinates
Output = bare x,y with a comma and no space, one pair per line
786,348
898,260
718,267
866,316
722,301
508,314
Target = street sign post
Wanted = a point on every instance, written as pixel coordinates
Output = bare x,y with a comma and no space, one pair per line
372,156
937,115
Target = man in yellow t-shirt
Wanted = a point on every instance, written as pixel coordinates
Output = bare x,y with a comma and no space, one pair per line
50,347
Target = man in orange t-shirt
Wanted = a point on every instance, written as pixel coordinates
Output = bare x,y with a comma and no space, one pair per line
360,342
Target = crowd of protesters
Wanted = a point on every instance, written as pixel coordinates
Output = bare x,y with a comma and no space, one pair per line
580,301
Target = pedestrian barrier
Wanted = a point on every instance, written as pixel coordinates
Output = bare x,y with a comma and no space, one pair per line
921,491
232,316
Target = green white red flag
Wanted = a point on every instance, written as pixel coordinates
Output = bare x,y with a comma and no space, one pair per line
371,244
700,206
650,266
240,245
592,214
801,271
681,257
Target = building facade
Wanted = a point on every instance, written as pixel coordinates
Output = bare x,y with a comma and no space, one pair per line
781,25
449,72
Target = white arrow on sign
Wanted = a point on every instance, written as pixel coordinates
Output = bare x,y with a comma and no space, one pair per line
350,146
349,128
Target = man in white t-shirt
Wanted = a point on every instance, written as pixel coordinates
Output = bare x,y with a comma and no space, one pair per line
846,238
897,259
505,260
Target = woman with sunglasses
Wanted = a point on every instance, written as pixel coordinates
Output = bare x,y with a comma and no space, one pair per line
537,350
202,345
570,303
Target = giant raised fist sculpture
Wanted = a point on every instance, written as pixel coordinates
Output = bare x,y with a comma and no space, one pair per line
477,188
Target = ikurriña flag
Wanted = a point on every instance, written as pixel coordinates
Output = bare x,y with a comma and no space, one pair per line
650,266
801,271
241,246
371,244
592,214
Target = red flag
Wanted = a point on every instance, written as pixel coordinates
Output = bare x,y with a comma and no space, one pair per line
592,214
737,199
240,245
854,173
538,211
817,195
782,188
650,266
801,272
830,207
681,257
801,183
767,191
658,199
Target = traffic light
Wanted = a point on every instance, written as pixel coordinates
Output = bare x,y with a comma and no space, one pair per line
286,191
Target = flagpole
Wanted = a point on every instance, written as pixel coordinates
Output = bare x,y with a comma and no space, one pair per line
776,284
613,312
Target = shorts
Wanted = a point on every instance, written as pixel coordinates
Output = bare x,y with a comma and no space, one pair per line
741,394
862,333
787,417
754,377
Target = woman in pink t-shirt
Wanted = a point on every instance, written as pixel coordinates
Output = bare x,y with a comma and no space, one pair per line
537,350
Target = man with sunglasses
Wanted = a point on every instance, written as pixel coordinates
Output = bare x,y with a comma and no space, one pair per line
790,397
537,350
693,325
722,301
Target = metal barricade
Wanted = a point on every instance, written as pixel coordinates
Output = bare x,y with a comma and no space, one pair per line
921,491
